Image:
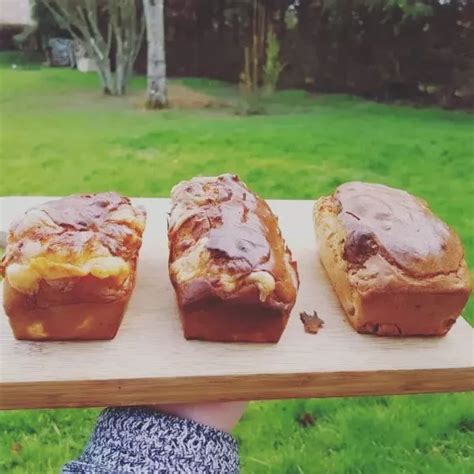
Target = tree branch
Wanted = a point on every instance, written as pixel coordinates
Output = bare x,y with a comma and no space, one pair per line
91,8
141,34
60,18
126,26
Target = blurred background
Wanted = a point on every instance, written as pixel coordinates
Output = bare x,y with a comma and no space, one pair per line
294,96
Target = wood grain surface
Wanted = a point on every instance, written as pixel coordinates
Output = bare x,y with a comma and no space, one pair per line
150,362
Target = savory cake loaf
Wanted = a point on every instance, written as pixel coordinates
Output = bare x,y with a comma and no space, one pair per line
234,277
70,266
397,269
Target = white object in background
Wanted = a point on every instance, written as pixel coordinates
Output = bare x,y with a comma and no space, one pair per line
15,12
86,65
83,62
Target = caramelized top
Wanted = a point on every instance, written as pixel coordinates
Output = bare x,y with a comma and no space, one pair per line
234,228
61,238
85,211
387,221
242,238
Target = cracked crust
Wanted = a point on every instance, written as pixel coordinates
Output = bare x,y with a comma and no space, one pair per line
234,277
70,266
397,269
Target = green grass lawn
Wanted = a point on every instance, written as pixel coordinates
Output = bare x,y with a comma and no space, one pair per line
58,136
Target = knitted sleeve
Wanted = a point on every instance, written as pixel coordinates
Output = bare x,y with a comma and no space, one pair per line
137,440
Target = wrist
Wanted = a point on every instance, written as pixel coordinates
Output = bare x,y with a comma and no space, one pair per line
221,416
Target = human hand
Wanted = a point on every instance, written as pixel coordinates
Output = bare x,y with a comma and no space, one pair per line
222,416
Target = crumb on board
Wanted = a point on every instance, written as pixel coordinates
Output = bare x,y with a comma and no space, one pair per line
312,322
306,420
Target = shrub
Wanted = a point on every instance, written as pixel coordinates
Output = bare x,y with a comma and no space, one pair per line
273,66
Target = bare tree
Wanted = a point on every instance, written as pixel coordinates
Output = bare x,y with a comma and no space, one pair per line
124,29
156,68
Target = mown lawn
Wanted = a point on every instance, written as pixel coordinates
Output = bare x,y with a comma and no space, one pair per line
59,136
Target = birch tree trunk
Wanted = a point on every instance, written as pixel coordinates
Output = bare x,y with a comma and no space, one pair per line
156,67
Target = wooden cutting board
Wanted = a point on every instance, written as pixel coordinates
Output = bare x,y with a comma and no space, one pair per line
150,362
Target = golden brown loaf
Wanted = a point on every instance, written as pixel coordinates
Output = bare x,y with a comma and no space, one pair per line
397,269
70,266
234,277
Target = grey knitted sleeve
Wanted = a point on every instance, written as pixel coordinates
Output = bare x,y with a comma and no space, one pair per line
137,440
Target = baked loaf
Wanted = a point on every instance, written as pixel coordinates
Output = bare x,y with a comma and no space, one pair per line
397,269
70,265
234,277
